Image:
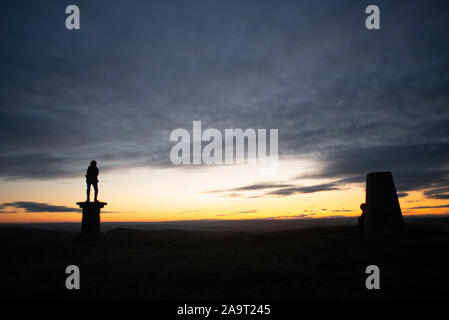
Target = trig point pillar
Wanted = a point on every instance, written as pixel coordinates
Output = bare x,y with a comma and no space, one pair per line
91,216
383,212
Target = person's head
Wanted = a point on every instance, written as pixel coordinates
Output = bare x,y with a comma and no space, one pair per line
93,163
363,206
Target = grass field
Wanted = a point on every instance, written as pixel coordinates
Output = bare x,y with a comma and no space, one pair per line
310,263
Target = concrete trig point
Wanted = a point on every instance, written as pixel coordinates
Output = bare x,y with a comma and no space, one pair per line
383,212
91,216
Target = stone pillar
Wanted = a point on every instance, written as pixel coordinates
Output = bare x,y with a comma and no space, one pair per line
383,212
91,216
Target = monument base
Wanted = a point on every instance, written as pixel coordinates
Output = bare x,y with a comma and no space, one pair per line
91,216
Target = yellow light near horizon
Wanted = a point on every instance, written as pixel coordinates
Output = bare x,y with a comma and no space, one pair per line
192,193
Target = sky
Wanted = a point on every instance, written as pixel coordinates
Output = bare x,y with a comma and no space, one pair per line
346,101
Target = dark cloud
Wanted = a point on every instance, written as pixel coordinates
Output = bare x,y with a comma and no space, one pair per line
439,196
308,189
282,190
29,206
260,186
438,191
247,211
237,212
431,207
357,101
305,216
414,166
33,207
299,216
225,214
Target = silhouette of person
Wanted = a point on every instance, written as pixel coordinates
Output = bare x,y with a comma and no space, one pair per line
92,179
361,220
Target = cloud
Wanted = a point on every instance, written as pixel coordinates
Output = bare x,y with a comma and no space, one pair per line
251,187
260,186
237,212
32,207
282,190
353,101
305,216
414,166
431,207
189,211
247,211
439,196
308,189
439,192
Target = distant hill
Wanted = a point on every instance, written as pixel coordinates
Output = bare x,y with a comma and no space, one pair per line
250,225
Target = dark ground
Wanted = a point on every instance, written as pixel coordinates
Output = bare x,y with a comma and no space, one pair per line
310,263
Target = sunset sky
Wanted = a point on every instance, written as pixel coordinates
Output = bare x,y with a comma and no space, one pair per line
346,101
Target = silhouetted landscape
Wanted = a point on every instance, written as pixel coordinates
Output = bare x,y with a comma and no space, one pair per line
270,153
173,261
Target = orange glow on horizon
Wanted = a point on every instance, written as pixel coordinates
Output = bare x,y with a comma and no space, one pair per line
154,195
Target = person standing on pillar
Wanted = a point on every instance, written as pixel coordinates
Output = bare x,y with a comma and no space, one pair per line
92,179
